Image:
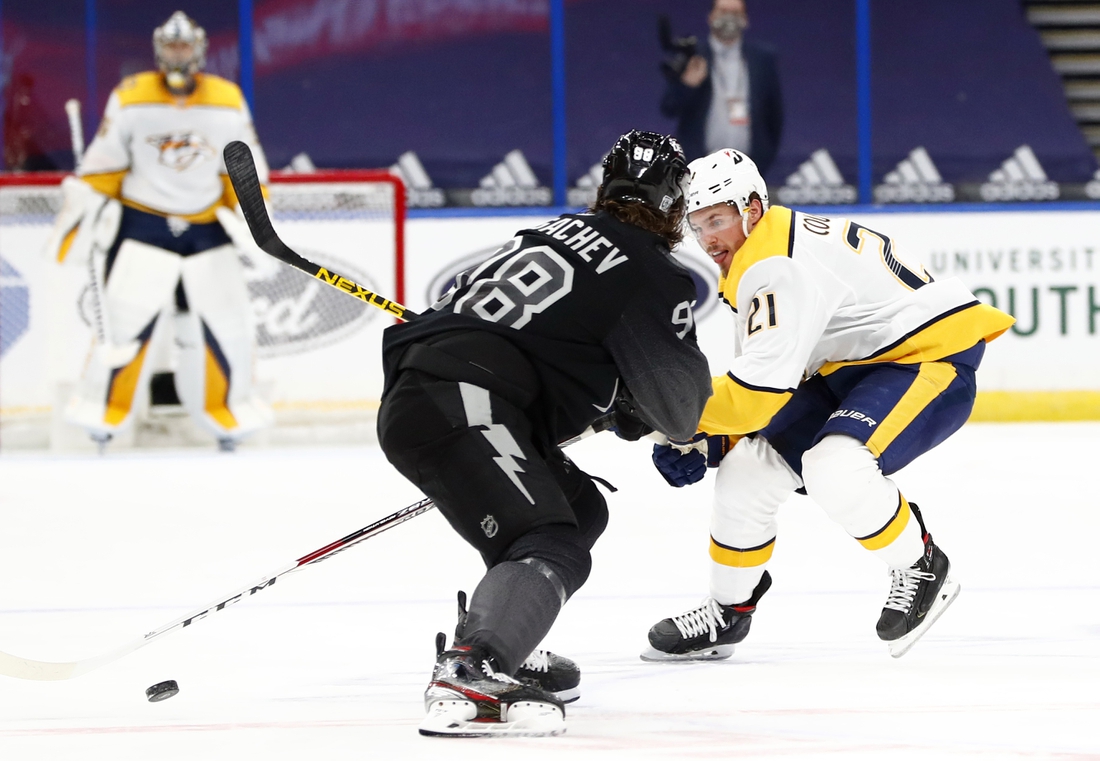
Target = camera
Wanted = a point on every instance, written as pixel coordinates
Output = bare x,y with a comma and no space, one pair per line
678,50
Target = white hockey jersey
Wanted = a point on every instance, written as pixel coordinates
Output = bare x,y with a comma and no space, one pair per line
812,294
163,154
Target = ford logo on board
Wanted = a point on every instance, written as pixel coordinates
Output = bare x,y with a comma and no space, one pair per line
295,312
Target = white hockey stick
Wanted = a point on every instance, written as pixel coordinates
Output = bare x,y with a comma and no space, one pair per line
76,130
95,280
49,671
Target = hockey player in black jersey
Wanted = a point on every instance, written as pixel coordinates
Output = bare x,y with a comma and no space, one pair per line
584,316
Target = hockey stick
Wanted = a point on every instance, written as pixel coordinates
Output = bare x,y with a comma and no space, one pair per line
76,131
25,668
242,173
44,671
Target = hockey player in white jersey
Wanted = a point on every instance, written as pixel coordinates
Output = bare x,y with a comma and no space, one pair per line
152,187
849,363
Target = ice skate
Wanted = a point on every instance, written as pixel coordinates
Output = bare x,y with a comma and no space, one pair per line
706,633
551,672
469,697
918,596
101,441
548,671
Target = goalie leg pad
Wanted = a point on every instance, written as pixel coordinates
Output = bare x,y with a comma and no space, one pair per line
141,283
113,379
217,347
141,286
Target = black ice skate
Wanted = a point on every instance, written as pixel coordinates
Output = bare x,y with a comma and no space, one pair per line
554,673
469,697
918,596
707,633
543,669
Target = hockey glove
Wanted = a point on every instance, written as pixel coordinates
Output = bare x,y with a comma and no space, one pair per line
628,424
686,462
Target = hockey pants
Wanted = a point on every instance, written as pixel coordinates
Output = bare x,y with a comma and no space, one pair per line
840,437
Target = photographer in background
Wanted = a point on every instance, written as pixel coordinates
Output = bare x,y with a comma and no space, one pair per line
727,94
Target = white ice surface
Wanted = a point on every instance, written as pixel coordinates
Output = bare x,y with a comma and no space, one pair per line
331,661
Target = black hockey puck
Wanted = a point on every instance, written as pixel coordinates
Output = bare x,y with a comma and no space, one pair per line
162,691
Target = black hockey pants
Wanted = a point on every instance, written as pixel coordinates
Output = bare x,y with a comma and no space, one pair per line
472,452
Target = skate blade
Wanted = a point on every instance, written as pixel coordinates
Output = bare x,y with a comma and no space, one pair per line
716,653
568,696
457,718
947,594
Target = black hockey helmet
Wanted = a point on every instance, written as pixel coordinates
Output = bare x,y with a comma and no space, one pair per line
645,167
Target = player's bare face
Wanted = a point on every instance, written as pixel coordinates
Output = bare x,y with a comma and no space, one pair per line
718,230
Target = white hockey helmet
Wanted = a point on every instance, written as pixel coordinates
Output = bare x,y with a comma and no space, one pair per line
726,176
180,28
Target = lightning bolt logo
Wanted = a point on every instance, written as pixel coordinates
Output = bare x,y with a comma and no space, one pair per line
502,441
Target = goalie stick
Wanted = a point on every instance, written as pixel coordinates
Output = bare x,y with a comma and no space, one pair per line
95,284
45,671
242,173
76,131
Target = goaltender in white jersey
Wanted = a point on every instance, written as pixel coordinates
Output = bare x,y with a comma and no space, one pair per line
849,363
152,189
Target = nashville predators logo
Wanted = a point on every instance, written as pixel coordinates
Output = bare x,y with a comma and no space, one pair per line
179,150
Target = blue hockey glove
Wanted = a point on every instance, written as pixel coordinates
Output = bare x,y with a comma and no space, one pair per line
679,468
686,462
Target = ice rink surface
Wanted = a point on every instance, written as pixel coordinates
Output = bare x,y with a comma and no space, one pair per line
331,662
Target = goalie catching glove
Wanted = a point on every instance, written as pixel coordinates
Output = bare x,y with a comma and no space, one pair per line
686,462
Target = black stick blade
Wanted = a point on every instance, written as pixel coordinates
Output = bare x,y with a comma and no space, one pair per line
242,173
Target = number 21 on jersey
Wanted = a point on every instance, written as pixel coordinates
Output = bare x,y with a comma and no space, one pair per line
757,321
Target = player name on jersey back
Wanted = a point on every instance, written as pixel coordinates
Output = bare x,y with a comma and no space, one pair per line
585,241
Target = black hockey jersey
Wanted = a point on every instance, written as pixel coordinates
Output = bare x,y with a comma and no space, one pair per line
591,303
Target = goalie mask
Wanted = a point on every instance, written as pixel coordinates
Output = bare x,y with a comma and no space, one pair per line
647,168
180,49
728,177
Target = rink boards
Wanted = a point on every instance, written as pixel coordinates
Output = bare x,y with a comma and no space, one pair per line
319,349
1041,266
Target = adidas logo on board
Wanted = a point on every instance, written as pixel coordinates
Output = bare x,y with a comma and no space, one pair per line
511,183
1092,188
584,193
418,185
817,180
1020,178
914,180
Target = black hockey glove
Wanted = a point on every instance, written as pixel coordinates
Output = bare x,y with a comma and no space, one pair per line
686,462
628,423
